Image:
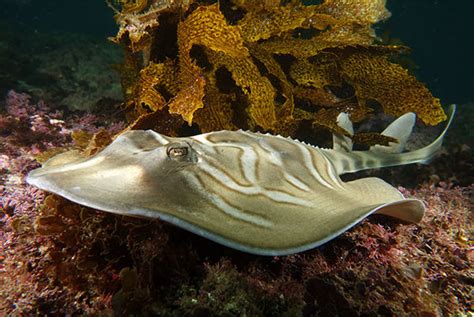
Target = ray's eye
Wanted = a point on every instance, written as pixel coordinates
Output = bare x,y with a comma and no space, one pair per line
177,152
180,151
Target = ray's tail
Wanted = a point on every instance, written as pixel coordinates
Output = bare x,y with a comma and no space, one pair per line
347,161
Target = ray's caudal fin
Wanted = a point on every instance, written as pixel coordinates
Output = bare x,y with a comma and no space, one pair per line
347,161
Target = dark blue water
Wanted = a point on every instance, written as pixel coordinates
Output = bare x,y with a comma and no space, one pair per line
440,33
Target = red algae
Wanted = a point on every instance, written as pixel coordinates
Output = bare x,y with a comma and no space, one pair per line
30,273
59,258
399,269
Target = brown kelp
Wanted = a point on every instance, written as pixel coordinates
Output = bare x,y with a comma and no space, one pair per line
274,66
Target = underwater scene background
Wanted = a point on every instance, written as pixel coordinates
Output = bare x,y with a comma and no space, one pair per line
74,74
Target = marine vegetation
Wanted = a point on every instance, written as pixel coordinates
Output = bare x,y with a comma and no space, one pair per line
263,66
258,193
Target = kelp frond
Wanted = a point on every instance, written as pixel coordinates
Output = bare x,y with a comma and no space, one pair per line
267,65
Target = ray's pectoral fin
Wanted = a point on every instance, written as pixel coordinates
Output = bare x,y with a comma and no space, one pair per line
64,158
409,210
57,162
386,200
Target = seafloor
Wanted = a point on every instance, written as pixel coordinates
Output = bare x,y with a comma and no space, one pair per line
58,258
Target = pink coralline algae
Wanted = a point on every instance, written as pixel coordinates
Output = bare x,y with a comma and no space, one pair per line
29,129
59,258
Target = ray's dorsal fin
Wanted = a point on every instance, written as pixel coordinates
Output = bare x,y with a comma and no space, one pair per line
342,142
399,129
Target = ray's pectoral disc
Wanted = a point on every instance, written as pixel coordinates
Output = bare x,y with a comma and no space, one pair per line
258,193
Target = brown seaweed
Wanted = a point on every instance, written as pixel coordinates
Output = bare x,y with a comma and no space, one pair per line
267,66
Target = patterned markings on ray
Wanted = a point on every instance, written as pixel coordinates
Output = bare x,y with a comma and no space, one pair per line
331,172
274,155
226,207
310,165
228,182
247,160
296,182
161,138
222,176
287,198
201,139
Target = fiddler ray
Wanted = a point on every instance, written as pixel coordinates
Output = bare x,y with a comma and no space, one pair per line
258,193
